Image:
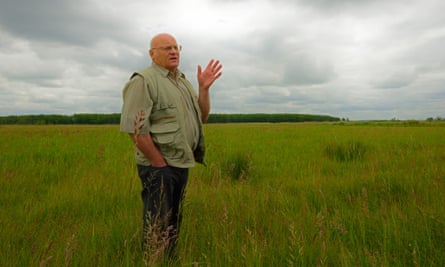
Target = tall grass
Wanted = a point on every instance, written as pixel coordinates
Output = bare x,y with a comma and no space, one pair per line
271,195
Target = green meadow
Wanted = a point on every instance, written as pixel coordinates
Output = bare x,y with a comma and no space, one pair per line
302,194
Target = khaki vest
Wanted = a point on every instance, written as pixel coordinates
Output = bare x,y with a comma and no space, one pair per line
162,119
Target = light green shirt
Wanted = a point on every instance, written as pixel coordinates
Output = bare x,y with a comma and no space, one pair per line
172,115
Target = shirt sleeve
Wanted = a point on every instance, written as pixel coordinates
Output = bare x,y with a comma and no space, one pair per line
135,99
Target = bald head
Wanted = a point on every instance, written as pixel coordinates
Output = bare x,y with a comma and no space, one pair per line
164,51
159,38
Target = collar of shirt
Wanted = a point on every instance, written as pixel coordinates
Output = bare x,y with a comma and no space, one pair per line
165,72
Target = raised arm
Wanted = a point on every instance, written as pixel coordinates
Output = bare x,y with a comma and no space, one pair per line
205,81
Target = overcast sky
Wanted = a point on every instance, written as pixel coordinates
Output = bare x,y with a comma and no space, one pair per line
355,59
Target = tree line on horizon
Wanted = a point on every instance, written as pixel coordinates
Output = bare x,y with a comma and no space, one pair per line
114,118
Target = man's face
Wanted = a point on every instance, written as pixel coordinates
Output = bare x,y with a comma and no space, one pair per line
165,52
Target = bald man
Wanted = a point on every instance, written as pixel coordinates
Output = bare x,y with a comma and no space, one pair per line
163,116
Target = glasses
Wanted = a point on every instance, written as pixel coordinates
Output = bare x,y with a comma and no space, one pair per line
169,48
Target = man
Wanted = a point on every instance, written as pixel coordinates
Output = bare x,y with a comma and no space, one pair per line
163,116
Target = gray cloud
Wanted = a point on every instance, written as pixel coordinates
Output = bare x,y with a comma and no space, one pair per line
71,22
304,69
356,59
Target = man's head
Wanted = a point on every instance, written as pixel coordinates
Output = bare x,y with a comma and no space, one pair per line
164,51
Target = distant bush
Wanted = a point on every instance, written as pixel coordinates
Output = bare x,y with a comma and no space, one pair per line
261,117
40,119
114,118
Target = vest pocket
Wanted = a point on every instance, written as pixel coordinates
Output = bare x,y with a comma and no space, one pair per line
166,136
164,127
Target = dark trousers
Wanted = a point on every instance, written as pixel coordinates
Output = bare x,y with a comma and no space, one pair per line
162,194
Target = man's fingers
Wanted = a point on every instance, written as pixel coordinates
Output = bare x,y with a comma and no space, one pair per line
214,66
210,65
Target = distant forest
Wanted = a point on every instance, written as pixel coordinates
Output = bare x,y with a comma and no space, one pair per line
114,118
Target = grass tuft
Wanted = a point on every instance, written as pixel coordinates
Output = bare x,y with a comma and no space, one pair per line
348,151
238,167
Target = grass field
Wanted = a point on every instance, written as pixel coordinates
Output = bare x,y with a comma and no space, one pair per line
271,195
